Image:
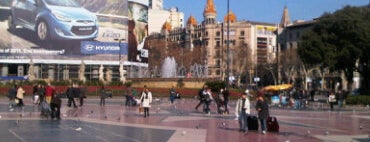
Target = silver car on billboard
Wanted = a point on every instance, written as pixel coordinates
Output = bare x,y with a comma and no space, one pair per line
54,19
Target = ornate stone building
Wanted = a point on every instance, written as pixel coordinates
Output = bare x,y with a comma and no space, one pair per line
250,43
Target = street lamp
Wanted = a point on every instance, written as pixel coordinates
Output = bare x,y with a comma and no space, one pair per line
120,48
228,47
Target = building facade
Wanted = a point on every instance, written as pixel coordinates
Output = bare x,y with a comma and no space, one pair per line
250,43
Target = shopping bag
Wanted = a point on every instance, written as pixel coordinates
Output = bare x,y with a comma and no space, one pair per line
141,109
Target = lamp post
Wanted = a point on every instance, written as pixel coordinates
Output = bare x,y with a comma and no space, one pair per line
228,47
120,48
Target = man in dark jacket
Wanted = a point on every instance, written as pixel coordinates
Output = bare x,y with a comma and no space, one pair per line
12,93
201,97
55,105
71,94
263,111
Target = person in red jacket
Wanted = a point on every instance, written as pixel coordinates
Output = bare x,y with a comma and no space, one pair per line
49,90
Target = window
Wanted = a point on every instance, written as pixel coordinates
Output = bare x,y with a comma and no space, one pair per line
218,72
218,43
242,33
218,33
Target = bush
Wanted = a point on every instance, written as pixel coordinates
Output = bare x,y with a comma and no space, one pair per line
216,85
128,84
358,100
115,83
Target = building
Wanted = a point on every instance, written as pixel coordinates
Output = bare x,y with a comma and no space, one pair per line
250,43
157,16
156,4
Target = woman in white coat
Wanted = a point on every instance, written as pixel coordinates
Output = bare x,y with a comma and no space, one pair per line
146,100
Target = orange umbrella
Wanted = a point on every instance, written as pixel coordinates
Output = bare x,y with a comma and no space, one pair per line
277,87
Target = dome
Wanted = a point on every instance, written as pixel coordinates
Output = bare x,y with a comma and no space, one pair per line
230,16
192,21
167,26
210,7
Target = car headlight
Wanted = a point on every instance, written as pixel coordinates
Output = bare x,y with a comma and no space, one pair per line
61,17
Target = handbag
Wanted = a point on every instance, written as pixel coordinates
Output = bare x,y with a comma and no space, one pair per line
16,101
141,109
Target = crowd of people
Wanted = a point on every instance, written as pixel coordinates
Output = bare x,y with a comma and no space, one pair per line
299,98
50,101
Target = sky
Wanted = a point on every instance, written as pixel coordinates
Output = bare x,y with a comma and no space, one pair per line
269,11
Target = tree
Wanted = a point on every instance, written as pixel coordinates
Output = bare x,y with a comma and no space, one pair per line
340,42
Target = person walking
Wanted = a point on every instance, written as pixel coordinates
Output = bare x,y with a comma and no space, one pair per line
83,90
201,97
263,111
146,100
41,92
242,110
332,99
49,90
129,97
20,95
12,94
103,95
172,94
207,95
226,95
55,105
70,96
35,94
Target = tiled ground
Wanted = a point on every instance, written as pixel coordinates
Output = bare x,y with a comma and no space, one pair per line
176,123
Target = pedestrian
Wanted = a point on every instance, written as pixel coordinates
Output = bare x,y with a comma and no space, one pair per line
242,110
207,95
297,96
263,111
103,95
200,97
146,100
83,91
226,95
172,94
12,94
70,95
20,95
340,98
55,106
49,90
35,91
129,99
332,100
312,94
41,92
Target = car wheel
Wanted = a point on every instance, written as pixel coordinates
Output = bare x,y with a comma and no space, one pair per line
11,25
42,31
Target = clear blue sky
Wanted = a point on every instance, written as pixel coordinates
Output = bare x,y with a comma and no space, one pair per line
263,10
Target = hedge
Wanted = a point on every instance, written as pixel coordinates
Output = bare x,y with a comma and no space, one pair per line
358,100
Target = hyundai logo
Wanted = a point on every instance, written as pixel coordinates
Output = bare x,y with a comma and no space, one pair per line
89,47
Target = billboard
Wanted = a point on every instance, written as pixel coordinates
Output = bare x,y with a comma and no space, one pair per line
68,30
138,30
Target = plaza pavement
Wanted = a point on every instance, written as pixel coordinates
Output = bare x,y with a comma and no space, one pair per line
178,122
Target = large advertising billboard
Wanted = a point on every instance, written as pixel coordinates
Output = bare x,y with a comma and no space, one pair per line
68,30
138,30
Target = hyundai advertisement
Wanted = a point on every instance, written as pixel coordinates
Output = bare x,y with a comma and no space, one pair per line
64,29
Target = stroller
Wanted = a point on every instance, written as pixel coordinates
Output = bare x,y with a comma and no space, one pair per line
45,109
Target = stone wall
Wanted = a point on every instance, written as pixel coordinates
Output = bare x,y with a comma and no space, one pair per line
168,82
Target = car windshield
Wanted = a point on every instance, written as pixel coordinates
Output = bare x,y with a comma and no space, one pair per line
68,3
